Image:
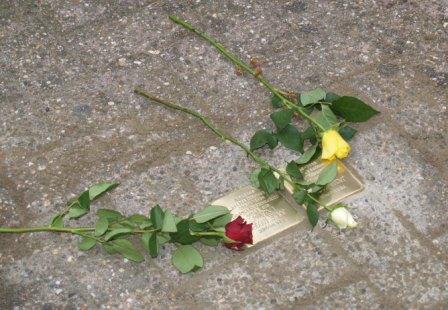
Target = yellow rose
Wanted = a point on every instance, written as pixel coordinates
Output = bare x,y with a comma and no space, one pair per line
333,145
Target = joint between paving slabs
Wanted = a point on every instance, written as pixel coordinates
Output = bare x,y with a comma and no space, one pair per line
337,247
350,277
418,146
353,274
421,147
17,195
420,237
102,20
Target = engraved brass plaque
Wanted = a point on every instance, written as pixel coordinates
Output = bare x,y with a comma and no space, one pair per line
347,182
270,215
273,214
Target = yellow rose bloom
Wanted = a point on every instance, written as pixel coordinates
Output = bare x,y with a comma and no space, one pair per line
333,145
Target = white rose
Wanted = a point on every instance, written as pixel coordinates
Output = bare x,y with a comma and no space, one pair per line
342,218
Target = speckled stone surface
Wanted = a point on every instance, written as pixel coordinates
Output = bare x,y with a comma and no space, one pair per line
69,118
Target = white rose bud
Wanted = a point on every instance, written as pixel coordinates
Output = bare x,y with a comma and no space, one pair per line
342,218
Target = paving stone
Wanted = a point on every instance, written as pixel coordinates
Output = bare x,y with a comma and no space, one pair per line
354,296
415,28
125,41
405,180
410,100
69,119
103,280
32,58
269,278
71,15
305,58
383,245
7,204
441,242
100,130
183,190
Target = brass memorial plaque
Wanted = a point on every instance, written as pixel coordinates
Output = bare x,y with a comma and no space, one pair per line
347,183
268,214
273,214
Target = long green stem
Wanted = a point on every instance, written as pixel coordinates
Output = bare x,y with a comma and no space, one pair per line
208,233
70,230
207,122
223,135
241,64
80,231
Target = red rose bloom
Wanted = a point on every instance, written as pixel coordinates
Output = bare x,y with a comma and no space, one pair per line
239,231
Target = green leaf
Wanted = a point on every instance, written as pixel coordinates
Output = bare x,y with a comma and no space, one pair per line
326,118
304,182
268,182
313,214
109,248
163,238
210,241
331,97
86,244
146,224
328,174
316,154
57,221
116,232
347,132
195,226
312,96
352,109
101,226
152,242
282,118
183,235
97,190
309,134
186,258
123,223
209,213
76,212
157,217
315,189
109,214
307,155
290,138
276,101
145,240
169,224
254,178
80,207
84,200
261,138
177,219
222,220
292,169
153,245
220,229
299,196
137,219
127,249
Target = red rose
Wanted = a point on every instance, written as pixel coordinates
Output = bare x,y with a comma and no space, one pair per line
239,231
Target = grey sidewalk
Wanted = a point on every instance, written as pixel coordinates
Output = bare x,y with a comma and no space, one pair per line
69,119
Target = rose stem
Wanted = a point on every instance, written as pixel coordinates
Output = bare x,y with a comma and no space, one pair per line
224,136
233,58
70,230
